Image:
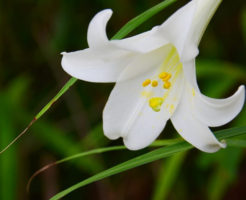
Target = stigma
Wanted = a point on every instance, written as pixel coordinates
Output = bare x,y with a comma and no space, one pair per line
155,103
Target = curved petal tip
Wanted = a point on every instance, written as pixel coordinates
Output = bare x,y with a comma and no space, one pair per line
133,145
217,112
212,148
96,34
106,14
241,89
107,11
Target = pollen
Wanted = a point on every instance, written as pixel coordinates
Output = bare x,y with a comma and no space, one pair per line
154,83
171,108
167,77
193,92
147,94
167,85
155,103
163,75
146,82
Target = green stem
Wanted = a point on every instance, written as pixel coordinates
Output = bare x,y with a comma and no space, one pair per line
137,21
70,82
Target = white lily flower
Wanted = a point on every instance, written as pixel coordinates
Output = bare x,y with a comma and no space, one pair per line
155,79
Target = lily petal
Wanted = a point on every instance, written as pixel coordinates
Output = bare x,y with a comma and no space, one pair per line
146,128
189,68
213,112
96,66
142,43
173,31
176,29
96,35
217,112
127,113
186,26
191,128
205,10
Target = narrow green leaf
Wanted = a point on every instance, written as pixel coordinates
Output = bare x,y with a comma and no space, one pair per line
157,143
243,23
168,174
135,162
70,82
231,132
8,161
75,156
63,144
147,158
137,21
236,143
220,67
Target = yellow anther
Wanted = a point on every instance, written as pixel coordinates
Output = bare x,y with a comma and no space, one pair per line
167,77
155,103
154,83
146,82
163,75
167,85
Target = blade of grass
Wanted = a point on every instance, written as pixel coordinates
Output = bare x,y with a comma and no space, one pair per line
157,143
63,144
137,21
167,176
135,162
47,133
130,26
147,158
220,67
70,82
243,23
8,162
79,155
236,143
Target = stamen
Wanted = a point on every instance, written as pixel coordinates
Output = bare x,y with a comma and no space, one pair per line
155,103
146,82
163,75
154,83
167,85
166,78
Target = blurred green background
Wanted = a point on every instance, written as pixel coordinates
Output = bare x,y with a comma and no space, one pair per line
33,33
